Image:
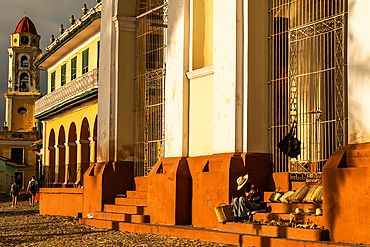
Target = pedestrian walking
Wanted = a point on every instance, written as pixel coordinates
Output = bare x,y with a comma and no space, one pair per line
31,190
14,192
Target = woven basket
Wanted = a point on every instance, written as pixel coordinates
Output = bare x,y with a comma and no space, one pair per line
299,194
318,198
224,213
286,197
310,196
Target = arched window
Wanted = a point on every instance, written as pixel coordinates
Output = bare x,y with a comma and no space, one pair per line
24,82
24,61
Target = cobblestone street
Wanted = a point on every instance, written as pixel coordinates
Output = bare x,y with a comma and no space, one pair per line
23,226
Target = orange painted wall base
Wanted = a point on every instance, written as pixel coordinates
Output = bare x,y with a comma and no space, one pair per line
346,187
61,201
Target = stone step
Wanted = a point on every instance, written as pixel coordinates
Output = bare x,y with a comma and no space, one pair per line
211,235
141,183
131,201
126,209
317,219
287,208
276,231
137,194
134,218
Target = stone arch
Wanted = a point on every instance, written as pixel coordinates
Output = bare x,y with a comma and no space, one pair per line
85,147
24,62
72,153
95,134
60,170
23,58
50,171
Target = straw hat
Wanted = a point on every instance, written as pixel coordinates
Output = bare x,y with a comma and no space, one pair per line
241,181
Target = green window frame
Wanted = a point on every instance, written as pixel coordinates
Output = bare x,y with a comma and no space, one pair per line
73,68
52,82
98,54
85,61
63,74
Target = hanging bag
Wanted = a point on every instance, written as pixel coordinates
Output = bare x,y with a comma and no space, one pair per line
290,145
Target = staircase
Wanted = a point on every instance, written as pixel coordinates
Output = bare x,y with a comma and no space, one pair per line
283,211
133,208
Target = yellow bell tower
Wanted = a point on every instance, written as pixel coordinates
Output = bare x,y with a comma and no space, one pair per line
23,79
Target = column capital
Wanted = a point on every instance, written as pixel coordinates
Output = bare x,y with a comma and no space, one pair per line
51,148
58,146
92,138
82,141
124,23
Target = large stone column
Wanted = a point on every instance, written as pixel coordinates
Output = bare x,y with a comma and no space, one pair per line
56,177
113,172
66,173
228,77
177,84
358,72
92,149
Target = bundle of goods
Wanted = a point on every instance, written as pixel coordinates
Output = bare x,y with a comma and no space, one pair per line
300,193
286,197
312,193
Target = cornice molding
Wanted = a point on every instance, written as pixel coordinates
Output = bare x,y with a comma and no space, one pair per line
71,144
82,141
198,73
58,146
124,23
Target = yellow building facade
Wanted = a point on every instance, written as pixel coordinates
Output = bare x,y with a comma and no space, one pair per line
69,109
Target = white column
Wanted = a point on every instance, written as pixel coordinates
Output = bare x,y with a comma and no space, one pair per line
228,77
177,84
107,83
358,72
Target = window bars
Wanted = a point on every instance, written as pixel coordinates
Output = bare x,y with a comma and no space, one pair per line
307,78
151,45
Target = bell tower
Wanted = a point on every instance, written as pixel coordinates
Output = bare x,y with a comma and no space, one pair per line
23,78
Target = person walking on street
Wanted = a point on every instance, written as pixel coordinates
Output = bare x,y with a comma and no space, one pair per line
32,189
14,192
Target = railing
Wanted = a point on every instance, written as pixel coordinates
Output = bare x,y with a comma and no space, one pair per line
78,86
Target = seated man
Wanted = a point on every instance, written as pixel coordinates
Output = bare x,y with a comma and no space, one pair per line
245,204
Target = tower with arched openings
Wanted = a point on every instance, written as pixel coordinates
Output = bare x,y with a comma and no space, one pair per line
23,89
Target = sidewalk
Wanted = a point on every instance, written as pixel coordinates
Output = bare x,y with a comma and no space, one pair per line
23,226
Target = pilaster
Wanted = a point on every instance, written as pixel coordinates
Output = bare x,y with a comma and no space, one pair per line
177,84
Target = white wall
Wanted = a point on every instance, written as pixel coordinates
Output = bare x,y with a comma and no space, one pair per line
358,71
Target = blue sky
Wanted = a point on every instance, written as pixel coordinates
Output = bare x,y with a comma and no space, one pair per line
47,15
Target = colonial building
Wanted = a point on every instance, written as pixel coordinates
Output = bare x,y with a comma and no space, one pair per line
68,111
20,127
195,93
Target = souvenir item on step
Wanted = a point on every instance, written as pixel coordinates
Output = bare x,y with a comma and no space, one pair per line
274,197
318,198
299,210
299,194
310,211
286,197
290,145
224,213
312,193
318,211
